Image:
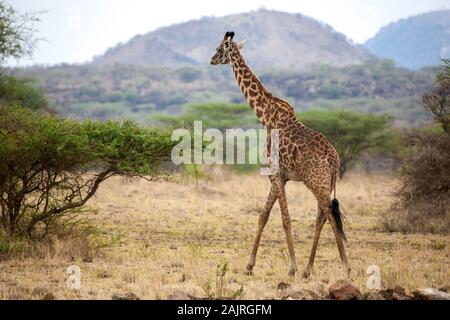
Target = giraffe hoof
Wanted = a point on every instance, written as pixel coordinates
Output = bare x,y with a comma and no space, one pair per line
307,273
249,271
292,272
348,271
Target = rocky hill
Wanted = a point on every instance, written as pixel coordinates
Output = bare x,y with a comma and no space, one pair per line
414,42
275,40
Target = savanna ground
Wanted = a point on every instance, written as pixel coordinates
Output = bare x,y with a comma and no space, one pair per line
163,236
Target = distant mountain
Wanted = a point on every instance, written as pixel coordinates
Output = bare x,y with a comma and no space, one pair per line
414,42
275,40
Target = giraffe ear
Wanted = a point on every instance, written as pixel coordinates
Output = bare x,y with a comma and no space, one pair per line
241,44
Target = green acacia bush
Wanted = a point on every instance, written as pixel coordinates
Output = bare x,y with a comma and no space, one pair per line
50,167
218,115
16,33
23,92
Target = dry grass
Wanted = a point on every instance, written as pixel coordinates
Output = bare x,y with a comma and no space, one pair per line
174,235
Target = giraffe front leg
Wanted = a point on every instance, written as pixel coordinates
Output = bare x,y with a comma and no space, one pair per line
279,184
262,221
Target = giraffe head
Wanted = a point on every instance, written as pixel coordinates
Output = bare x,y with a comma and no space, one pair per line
225,48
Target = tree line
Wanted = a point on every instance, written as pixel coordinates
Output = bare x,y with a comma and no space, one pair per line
91,91
354,134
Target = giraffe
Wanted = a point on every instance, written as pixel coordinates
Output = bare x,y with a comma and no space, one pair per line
304,155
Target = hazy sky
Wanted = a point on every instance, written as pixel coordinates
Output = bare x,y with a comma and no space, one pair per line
76,30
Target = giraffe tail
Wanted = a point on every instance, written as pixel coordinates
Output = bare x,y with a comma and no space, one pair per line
336,211
338,217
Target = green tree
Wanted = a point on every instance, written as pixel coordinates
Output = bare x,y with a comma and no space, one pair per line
438,102
352,134
50,167
16,41
16,33
220,116
22,92
213,115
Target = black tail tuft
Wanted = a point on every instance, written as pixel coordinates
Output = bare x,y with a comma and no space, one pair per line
338,217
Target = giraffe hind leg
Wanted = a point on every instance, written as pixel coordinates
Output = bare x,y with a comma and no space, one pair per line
325,204
340,243
338,235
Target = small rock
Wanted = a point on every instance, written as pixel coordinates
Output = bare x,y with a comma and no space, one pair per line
399,290
319,288
303,295
181,295
49,296
344,290
125,296
445,289
88,259
283,286
399,293
387,294
373,295
314,295
430,294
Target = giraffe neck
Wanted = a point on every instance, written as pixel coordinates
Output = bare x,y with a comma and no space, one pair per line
252,89
261,101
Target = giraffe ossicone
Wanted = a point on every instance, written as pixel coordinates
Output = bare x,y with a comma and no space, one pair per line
304,155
